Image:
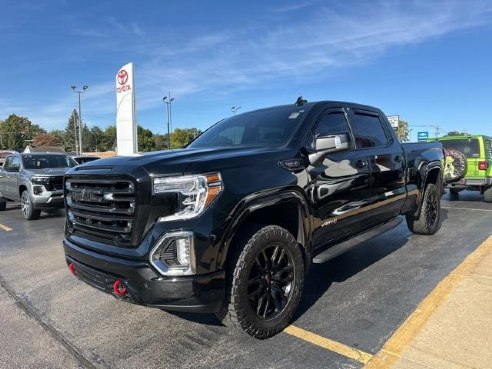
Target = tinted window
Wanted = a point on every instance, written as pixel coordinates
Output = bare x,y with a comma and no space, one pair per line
47,161
470,147
368,130
331,123
272,127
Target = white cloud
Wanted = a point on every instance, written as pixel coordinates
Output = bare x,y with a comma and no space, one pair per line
299,41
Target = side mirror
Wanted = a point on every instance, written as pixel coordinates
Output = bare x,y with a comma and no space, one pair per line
332,143
328,144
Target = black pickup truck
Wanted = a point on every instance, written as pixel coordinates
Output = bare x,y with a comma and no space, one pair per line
231,224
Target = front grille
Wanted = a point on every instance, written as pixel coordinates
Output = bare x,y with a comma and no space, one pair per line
101,209
55,184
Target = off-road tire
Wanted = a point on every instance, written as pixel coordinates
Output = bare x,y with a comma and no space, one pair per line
455,165
429,221
247,253
27,207
487,195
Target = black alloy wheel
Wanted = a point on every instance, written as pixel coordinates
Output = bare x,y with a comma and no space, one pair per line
432,209
270,281
264,281
429,221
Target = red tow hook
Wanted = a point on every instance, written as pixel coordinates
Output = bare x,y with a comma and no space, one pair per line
119,288
71,268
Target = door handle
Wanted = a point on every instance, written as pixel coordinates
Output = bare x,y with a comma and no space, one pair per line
361,164
398,159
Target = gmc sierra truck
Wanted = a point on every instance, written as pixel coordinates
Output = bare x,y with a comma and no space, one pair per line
231,224
35,180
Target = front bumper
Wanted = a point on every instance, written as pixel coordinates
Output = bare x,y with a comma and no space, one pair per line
202,293
48,200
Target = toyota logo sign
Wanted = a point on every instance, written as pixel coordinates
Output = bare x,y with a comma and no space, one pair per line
122,77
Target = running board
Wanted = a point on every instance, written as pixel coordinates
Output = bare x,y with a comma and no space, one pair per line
340,248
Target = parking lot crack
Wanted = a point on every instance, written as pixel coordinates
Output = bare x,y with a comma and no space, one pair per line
30,310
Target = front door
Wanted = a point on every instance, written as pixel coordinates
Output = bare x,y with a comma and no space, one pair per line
339,188
12,168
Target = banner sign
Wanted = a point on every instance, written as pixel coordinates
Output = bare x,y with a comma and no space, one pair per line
394,121
126,124
422,136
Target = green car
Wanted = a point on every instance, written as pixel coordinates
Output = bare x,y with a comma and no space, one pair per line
477,149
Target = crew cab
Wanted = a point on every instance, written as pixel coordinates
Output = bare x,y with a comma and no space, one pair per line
35,180
231,224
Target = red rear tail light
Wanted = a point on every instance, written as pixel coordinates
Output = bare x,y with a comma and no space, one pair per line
483,165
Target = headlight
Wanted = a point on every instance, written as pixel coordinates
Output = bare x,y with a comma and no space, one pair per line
40,180
194,193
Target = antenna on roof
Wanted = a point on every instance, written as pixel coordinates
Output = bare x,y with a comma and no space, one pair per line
300,101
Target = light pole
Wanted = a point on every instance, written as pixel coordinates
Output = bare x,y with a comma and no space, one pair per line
78,92
234,109
168,101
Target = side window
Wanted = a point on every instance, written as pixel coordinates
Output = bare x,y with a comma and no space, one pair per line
15,163
12,163
7,163
331,123
488,148
368,130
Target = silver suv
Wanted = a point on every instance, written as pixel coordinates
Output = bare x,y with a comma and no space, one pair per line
36,180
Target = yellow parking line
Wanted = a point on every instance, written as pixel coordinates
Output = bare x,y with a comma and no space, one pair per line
5,228
396,344
473,209
326,343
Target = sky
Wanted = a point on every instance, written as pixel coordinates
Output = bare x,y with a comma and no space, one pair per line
430,62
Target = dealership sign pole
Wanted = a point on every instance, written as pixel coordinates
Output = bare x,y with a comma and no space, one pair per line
126,126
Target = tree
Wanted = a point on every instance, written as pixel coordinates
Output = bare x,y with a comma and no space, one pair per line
95,139
182,137
160,142
456,133
403,132
15,131
46,139
145,139
71,133
108,142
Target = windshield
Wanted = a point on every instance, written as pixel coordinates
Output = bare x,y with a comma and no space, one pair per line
269,127
47,161
470,147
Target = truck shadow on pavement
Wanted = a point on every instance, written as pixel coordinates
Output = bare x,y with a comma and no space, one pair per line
349,264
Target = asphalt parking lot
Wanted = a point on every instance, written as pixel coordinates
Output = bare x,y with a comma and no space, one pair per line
351,305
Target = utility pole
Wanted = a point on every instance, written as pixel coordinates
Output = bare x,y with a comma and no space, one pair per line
234,109
78,92
168,101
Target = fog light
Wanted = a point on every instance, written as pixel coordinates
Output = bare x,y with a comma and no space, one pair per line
183,250
174,254
37,190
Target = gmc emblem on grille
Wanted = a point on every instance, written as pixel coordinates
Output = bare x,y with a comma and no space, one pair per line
86,196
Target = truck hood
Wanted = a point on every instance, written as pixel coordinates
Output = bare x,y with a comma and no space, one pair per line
55,172
185,160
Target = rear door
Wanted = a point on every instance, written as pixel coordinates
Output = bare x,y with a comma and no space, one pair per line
386,162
